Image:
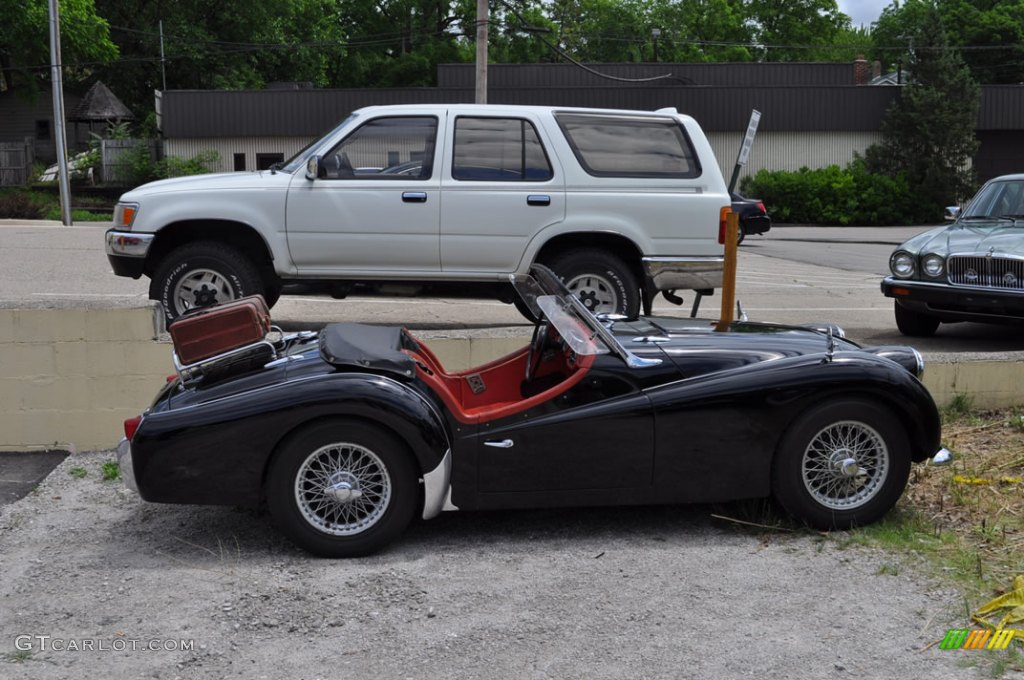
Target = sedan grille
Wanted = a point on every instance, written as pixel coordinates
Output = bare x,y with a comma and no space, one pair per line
986,272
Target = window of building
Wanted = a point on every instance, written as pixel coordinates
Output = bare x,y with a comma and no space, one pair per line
265,160
622,146
240,161
43,130
499,149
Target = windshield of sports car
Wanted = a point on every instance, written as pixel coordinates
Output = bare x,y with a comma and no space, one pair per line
997,200
546,297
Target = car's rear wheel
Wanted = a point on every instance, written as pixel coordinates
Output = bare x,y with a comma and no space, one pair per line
603,282
914,324
201,274
842,464
341,488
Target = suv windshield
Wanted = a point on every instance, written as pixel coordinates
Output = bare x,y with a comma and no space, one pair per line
299,159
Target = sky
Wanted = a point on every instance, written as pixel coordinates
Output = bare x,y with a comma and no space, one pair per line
863,11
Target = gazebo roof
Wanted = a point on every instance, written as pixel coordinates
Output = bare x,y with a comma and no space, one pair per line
99,103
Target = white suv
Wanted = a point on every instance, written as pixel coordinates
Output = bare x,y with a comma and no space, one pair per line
620,204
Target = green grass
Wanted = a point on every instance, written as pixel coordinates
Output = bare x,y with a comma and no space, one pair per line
78,472
111,471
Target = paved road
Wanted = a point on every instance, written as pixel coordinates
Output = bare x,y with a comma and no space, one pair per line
791,275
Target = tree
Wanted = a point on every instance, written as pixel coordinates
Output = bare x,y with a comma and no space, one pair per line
928,132
796,30
25,41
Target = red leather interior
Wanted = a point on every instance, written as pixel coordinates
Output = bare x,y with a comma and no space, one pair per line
503,381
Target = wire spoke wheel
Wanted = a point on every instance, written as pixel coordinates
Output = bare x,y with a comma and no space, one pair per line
845,465
342,489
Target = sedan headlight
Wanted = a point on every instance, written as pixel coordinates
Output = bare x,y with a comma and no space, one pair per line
902,264
933,265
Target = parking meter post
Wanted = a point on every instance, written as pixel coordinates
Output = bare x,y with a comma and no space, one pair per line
729,272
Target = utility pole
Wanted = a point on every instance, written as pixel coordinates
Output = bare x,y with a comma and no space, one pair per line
655,34
483,18
60,136
163,71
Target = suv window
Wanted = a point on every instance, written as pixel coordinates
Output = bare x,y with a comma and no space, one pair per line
499,149
623,146
385,148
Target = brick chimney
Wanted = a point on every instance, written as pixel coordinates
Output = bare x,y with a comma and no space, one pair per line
861,70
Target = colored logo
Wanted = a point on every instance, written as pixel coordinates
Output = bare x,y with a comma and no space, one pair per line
978,638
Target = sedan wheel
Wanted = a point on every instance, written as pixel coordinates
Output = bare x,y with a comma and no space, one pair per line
341,488
842,464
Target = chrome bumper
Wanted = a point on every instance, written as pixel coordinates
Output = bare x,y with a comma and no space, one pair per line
684,273
437,488
128,243
942,457
124,463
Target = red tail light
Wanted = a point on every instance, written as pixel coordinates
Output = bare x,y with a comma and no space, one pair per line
723,223
130,426
761,207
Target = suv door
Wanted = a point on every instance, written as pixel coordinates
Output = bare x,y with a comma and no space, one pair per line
500,187
375,207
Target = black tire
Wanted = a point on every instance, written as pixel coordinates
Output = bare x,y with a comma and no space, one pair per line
603,282
913,323
272,293
808,478
524,309
203,273
358,455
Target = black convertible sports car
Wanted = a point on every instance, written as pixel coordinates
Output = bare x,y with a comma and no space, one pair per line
348,433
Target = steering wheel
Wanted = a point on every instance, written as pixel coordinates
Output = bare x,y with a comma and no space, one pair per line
538,343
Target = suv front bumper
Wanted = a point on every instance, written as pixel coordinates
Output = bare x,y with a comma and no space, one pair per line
126,251
684,273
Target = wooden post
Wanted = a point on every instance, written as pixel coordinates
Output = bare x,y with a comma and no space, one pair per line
732,231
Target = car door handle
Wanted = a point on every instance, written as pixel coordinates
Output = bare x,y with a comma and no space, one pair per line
414,196
503,444
538,199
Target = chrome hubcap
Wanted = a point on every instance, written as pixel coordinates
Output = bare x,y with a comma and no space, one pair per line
342,489
202,287
595,292
845,465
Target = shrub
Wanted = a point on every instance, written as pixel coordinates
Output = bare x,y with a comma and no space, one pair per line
21,206
834,195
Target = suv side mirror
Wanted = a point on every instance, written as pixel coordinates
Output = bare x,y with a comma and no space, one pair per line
314,168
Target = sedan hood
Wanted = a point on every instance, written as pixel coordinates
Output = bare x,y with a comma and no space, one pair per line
999,236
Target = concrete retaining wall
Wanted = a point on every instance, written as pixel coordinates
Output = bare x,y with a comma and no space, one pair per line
69,377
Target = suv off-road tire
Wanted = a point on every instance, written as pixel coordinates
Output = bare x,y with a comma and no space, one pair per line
206,272
603,282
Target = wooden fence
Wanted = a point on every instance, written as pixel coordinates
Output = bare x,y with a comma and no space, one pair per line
15,163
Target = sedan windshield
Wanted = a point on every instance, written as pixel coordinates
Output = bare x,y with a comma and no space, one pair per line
1004,199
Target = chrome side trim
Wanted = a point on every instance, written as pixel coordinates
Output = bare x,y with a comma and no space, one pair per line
670,273
437,487
124,463
128,243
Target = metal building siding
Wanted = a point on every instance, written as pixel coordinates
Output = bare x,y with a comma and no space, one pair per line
1002,107
227,147
790,150
734,74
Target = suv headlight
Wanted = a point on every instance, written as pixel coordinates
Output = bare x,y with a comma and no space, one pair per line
933,265
124,215
902,264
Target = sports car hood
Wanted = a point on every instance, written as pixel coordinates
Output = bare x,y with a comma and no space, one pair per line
697,349
975,236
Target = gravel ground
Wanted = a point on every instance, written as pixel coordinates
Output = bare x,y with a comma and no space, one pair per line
638,593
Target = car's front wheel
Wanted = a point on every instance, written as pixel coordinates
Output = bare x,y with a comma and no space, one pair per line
842,464
602,281
914,324
341,488
203,273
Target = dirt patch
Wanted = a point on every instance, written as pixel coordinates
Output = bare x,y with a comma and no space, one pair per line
647,592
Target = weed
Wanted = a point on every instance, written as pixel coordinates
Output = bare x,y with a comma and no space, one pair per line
888,570
958,407
111,471
19,656
78,472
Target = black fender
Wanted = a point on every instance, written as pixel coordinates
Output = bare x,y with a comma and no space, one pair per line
717,434
216,452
